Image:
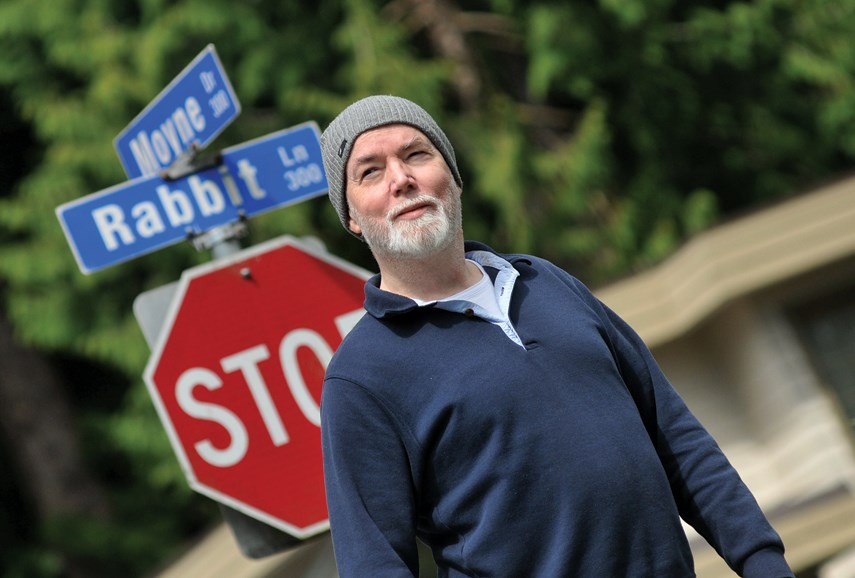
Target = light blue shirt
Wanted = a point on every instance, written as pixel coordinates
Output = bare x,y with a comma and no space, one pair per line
502,289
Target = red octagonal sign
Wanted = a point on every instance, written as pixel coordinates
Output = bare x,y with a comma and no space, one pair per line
237,372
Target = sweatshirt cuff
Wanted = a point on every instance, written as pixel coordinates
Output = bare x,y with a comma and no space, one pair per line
767,563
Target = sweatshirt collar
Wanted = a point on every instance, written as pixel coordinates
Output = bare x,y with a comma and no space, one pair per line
382,304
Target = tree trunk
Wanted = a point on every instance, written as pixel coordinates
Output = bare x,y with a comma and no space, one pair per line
38,426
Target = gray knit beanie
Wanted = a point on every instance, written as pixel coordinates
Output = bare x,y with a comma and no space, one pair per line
363,115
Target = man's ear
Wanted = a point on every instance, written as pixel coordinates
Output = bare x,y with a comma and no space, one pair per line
354,226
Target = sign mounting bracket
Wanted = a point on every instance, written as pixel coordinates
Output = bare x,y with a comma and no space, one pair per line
189,162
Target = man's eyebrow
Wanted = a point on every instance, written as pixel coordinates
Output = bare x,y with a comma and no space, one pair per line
416,140
364,159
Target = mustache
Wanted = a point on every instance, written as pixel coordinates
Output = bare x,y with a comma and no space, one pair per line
411,203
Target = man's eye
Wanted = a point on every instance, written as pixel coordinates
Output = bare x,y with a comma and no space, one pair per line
368,172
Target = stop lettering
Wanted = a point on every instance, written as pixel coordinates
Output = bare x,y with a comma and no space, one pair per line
237,373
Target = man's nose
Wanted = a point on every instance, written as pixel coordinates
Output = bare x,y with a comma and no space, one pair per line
400,179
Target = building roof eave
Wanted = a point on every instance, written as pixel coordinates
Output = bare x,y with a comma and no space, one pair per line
737,258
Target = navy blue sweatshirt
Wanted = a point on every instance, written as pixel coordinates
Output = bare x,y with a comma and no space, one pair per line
570,456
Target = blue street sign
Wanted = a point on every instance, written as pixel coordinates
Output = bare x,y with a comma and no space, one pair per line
145,214
194,108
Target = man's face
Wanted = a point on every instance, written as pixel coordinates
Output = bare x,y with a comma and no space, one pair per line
402,197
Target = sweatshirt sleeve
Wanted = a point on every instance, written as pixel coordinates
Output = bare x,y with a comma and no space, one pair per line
709,493
368,483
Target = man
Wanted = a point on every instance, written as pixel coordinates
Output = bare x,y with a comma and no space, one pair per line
490,406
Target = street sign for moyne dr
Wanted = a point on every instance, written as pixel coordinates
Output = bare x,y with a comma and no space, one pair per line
237,372
191,111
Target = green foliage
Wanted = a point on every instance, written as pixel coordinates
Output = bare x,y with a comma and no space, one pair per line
728,102
598,134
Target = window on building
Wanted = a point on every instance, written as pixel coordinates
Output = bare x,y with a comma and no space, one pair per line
827,329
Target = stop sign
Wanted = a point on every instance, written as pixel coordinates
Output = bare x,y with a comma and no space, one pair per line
237,372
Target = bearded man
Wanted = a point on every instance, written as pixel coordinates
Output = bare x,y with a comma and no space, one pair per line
490,406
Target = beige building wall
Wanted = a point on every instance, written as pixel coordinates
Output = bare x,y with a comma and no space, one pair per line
746,377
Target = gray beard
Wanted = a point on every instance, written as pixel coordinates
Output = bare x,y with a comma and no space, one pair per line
419,238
